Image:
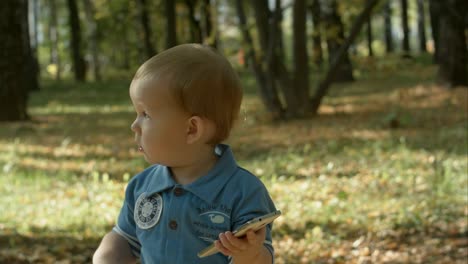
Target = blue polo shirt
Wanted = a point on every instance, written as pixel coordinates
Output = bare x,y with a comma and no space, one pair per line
165,222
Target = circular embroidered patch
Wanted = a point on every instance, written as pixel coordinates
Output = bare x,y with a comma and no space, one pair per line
148,210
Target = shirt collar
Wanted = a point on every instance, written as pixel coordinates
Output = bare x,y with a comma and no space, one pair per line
206,187
209,186
161,180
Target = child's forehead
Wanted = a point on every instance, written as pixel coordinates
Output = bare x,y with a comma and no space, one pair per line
154,91
147,85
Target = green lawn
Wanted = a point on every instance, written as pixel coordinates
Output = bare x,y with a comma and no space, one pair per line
352,189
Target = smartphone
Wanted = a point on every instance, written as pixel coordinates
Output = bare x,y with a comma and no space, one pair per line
254,224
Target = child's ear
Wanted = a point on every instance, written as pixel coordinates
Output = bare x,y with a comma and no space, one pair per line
195,129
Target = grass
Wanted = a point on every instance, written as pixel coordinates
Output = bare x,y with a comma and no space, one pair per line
352,189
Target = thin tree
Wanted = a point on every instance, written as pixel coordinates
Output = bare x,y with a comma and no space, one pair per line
452,46
171,38
79,66
301,65
388,27
405,26
33,24
335,37
278,30
33,35
15,73
434,11
369,37
209,28
273,78
323,86
148,47
195,25
121,55
93,37
32,66
267,88
54,39
422,26
317,52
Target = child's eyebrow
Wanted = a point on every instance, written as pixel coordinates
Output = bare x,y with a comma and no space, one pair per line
137,105
140,106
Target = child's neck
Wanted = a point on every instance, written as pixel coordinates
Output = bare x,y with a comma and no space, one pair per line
196,169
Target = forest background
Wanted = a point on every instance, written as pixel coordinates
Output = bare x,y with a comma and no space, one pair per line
354,116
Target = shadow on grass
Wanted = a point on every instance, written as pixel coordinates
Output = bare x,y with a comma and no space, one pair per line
89,93
43,246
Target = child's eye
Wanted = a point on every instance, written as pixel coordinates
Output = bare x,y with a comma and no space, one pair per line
145,115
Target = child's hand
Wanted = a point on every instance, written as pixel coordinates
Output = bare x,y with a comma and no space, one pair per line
247,248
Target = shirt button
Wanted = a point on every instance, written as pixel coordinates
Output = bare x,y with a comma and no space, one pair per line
173,224
178,191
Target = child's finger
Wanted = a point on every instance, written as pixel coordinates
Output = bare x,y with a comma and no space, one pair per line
251,237
256,237
222,249
228,244
261,232
235,241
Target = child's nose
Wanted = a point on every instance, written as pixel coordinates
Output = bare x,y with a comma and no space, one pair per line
134,127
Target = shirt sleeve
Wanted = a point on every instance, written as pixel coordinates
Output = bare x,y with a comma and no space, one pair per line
126,226
256,202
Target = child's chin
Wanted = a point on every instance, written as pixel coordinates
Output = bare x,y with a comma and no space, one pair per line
151,161
147,158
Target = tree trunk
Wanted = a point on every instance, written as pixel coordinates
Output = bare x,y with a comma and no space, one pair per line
33,24
434,11
32,67
93,37
54,40
121,54
452,45
209,31
171,39
421,26
14,65
126,49
333,70
269,33
277,71
369,37
388,27
126,46
145,24
79,66
142,47
195,28
335,36
301,66
262,17
279,41
267,94
317,53
34,20
404,21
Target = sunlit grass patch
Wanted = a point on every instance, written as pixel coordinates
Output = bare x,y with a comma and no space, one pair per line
35,203
367,190
398,190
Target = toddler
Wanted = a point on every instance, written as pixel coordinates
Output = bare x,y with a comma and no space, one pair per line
186,100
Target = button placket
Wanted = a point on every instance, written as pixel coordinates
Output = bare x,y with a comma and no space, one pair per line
173,224
178,191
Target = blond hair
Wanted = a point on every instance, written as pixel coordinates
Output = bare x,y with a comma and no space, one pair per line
202,82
